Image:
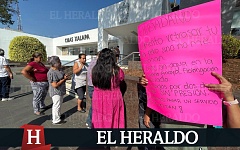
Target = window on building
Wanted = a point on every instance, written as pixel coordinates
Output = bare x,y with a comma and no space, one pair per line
235,32
238,3
75,51
91,51
65,51
84,49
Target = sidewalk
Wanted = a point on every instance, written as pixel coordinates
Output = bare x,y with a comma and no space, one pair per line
19,111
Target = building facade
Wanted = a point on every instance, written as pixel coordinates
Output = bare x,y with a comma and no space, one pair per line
69,46
66,47
117,26
122,19
228,10
236,20
6,36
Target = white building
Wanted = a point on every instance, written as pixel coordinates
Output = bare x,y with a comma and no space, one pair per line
121,20
69,46
7,35
66,47
117,26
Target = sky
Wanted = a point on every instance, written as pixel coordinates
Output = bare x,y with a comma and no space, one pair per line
54,18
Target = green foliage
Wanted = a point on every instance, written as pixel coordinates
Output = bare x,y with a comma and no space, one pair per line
230,47
7,11
22,48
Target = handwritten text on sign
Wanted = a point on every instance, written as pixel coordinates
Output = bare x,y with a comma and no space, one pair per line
178,53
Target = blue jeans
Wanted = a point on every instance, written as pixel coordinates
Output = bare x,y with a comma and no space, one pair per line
89,118
5,83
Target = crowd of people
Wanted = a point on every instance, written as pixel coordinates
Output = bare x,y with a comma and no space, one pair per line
103,77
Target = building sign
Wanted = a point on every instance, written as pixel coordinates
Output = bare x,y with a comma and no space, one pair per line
123,12
77,38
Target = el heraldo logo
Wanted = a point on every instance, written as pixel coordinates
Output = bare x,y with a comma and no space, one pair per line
33,138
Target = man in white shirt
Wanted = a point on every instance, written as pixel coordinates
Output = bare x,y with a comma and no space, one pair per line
5,77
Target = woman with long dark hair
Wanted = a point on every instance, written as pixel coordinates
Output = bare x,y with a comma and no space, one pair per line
107,101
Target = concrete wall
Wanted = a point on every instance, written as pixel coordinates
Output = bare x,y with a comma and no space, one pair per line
139,11
131,102
6,37
73,57
230,71
129,48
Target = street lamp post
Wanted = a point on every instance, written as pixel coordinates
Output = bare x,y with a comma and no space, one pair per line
175,2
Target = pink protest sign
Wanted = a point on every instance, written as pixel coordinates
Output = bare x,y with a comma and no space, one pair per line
178,53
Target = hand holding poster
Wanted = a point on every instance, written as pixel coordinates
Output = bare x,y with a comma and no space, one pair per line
178,53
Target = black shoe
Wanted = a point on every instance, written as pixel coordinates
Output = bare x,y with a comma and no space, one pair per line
44,108
82,111
59,123
62,117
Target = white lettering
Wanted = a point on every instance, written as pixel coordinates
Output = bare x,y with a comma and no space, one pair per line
137,135
37,137
109,138
158,137
166,134
100,136
147,137
176,137
126,137
196,137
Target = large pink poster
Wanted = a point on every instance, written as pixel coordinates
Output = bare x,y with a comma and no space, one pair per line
178,53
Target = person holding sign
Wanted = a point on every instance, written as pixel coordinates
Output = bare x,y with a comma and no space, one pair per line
225,87
232,107
149,118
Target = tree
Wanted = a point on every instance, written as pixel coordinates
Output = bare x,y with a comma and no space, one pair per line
7,11
230,47
22,48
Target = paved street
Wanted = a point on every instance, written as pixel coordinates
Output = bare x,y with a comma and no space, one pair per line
19,111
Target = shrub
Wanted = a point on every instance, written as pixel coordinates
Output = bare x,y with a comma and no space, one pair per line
21,48
230,47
